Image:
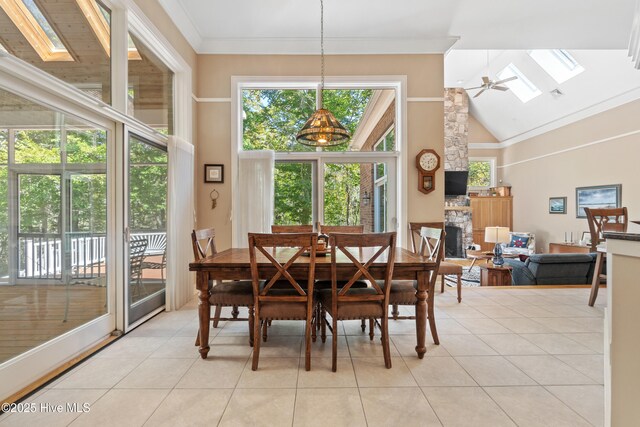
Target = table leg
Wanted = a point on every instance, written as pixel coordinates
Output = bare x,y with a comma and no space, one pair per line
421,313
595,282
473,262
204,312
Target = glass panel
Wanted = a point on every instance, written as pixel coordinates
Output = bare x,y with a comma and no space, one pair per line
342,197
348,106
40,197
147,220
37,146
86,146
82,26
273,117
479,173
293,193
150,89
52,229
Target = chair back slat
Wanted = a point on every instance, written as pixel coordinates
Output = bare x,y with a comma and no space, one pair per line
430,242
603,220
414,232
291,246
204,243
329,229
292,228
383,242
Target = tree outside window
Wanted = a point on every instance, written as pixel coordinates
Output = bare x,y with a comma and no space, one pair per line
481,173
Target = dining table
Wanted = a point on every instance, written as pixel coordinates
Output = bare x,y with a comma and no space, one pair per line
234,264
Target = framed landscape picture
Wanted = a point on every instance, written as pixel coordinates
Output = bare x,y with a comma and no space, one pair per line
599,197
557,205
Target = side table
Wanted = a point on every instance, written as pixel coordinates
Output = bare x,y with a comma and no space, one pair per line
495,276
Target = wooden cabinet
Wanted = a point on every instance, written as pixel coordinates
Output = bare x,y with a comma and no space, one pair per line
490,211
568,248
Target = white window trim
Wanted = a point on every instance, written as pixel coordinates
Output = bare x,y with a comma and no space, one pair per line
398,83
493,167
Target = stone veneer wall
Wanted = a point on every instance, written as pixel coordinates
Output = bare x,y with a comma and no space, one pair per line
456,152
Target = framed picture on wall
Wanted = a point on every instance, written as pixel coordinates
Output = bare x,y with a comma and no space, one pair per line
599,197
214,173
557,205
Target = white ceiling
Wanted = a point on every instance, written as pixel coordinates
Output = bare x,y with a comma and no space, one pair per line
401,26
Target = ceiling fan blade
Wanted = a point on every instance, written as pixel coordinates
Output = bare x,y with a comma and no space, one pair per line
502,88
499,82
485,80
478,94
470,88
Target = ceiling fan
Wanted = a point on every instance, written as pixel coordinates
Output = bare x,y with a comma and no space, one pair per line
491,84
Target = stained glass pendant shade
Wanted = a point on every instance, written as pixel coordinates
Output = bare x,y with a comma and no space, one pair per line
322,129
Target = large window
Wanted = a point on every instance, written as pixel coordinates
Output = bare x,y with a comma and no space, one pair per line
341,185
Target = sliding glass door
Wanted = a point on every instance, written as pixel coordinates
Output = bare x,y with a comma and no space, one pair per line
146,243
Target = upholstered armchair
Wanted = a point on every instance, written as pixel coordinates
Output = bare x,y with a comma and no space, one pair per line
520,243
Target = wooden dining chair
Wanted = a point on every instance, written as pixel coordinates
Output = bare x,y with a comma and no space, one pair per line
446,268
222,294
292,228
294,303
349,303
403,292
326,284
600,221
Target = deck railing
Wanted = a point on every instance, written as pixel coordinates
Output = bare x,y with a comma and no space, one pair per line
40,256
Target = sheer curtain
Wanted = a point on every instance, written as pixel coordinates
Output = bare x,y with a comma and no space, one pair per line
634,40
255,193
180,283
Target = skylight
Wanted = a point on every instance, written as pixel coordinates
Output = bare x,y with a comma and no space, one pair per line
33,25
521,87
100,21
558,63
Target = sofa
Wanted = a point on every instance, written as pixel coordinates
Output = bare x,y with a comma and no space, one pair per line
553,269
520,243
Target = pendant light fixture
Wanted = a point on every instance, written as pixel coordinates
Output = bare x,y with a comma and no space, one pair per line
322,129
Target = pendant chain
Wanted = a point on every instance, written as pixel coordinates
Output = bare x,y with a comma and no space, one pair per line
321,53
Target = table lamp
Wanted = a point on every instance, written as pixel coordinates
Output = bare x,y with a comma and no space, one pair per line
497,235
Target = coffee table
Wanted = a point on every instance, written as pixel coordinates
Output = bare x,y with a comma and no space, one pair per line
485,255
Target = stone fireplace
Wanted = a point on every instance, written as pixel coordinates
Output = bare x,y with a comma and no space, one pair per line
456,152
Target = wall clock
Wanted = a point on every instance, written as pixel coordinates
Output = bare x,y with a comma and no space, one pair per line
427,162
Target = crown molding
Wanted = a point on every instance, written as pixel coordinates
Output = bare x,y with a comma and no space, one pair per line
185,25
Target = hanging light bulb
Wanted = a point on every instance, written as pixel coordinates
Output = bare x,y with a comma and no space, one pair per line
322,129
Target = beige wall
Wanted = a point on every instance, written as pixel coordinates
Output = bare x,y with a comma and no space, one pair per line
478,133
535,180
425,119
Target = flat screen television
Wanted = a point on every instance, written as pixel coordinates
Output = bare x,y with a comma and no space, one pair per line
455,183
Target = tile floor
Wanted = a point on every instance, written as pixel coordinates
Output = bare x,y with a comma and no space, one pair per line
526,357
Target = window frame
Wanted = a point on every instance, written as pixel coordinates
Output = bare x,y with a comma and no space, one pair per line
395,159
493,163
